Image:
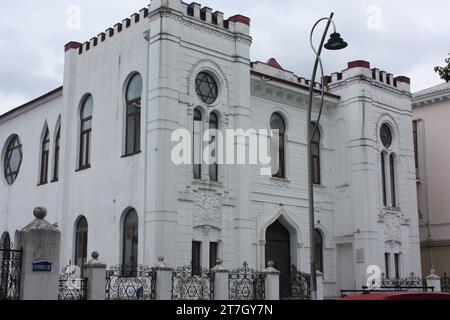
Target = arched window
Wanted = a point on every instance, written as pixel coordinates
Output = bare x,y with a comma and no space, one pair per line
315,154
214,127
81,241
130,241
45,151
56,155
86,111
197,144
392,176
318,246
383,177
13,159
278,127
133,121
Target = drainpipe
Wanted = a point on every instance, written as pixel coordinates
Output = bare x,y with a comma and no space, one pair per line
427,201
147,76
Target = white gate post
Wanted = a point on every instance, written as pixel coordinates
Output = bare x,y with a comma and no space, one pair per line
319,285
95,272
41,243
163,288
272,282
220,282
434,280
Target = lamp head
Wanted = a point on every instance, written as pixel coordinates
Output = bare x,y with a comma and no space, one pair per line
335,42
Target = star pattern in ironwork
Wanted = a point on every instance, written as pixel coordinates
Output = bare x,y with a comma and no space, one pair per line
206,88
13,159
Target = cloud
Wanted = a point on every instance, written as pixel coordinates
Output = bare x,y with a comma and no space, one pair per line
401,37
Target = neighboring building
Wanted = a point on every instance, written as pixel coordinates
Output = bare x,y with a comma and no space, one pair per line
431,113
97,154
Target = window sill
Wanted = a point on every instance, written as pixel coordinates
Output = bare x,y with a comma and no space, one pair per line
54,180
83,168
207,183
42,183
131,154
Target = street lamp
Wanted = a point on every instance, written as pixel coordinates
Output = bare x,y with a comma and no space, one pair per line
334,43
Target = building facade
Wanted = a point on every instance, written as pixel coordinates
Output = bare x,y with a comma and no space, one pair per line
431,109
98,154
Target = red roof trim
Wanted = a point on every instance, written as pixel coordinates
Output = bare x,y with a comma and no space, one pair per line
295,84
241,19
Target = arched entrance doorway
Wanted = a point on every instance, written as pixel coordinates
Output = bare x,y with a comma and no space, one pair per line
278,250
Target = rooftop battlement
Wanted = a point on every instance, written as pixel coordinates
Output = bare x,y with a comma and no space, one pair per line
362,68
236,23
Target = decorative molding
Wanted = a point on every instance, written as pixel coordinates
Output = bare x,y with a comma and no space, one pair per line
392,227
207,206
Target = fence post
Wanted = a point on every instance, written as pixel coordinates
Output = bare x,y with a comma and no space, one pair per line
319,285
95,272
220,282
434,280
41,243
163,289
272,282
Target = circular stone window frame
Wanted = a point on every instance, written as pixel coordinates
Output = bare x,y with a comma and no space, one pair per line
386,125
3,157
218,82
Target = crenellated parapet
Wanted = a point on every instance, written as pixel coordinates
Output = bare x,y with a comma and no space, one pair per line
362,69
237,23
109,33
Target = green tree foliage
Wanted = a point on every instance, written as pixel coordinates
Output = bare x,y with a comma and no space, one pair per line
444,72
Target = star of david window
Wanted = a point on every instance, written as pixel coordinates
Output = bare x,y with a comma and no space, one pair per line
206,88
13,159
386,135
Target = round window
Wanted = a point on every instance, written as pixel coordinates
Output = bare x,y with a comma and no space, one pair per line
206,87
13,159
386,135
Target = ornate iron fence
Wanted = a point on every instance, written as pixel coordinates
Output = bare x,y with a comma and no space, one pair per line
299,286
71,286
410,283
10,272
445,283
128,283
190,285
246,283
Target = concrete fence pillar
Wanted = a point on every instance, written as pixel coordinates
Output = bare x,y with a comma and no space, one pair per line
41,243
95,273
319,285
220,282
272,283
433,280
163,288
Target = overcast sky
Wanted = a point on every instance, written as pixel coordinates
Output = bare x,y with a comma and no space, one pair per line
402,37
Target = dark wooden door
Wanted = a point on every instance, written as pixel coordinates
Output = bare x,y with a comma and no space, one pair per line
278,250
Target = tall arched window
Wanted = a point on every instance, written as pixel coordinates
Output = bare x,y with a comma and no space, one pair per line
86,111
392,176
214,127
45,151
56,155
318,246
130,241
277,146
133,121
81,241
197,144
315,154
383,177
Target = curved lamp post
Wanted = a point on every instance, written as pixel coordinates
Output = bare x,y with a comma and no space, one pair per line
334,43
